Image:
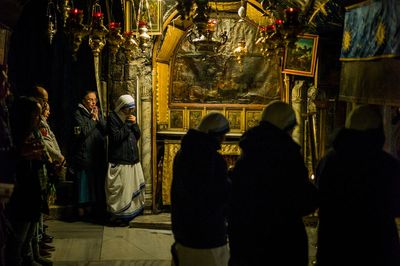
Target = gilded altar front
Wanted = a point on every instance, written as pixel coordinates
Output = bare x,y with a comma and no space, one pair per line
230,151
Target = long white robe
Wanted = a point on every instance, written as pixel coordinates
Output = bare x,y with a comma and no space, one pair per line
125,190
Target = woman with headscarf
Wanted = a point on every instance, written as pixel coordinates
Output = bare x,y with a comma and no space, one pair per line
271,192
125,180
359,187
200,196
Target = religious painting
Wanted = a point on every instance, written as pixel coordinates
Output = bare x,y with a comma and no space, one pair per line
218,79
150,12
195,118
234,117
252,118
300,59
176,119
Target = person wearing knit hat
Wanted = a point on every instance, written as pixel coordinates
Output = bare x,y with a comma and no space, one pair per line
125,179
271,192
359,187
279,114
214,123
199,196
364,117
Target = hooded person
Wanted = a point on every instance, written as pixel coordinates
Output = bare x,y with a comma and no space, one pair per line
271,192
125,179
359,187
199,196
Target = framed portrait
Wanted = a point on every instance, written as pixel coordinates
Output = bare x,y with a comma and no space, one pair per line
235,118
195,118
252,118
300,59
151,13
176,119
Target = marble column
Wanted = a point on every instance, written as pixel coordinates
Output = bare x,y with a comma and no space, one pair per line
145,86
135,78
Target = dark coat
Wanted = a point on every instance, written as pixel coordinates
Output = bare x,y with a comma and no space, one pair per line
123,137
271,193
28,200
359,186
199,192
88,148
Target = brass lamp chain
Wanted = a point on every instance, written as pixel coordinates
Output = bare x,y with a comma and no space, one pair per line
148,14
139,17
52,20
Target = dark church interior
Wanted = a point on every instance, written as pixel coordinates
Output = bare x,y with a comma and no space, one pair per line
274,123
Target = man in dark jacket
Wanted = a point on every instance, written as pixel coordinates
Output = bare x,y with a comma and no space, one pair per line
199,196
88,155
359,185
271,192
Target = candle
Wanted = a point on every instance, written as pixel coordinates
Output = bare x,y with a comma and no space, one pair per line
76,11
98,14
114,25
292,16
270,28
211,25
142,23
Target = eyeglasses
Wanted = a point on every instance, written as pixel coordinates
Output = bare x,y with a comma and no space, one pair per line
91,100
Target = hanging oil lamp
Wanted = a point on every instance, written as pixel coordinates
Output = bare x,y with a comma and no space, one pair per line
76,29
52,21
114,37
97,30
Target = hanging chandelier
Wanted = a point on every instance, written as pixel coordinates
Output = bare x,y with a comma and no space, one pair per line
240,51
99,34
205,38
282,28
97,30
205,34
75,28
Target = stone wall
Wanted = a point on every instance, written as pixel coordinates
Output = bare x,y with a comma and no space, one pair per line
135,78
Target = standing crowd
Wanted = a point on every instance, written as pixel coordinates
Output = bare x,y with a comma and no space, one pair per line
252,215
249,215
32,163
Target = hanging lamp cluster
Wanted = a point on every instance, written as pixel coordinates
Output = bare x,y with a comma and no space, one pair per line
283,26
205,35
131,42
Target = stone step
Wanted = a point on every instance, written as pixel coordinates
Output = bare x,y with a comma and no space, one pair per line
62,212
152,221
114,263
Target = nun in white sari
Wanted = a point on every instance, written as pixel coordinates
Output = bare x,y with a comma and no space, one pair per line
125,180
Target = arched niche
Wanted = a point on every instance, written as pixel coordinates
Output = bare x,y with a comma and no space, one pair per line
188,85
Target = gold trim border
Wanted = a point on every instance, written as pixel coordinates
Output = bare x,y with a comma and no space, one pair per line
369,58
364,3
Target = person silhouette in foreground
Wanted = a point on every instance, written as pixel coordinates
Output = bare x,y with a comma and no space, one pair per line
199,196
359,186
271,192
